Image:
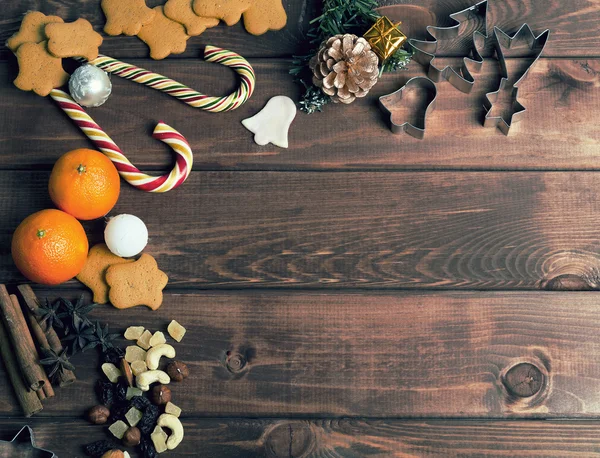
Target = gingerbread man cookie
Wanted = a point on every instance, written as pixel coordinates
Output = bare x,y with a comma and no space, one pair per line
73,39
229,11
93,274
31,30
138,283
126,16
39,71
265,15
181,11
163,36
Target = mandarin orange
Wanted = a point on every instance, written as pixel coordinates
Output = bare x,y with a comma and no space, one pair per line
84,183
50,247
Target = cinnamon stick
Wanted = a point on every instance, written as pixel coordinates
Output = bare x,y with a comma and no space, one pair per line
27,399
32,303
23,345
40,394
42,344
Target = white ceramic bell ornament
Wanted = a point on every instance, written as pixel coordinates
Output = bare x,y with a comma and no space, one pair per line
272,123
126,235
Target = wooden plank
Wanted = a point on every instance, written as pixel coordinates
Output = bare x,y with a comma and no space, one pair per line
374,355
347,438
273,44
483,230
559,95
574,25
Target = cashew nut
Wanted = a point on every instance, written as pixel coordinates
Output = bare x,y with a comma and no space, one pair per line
155,353
174,424
145,379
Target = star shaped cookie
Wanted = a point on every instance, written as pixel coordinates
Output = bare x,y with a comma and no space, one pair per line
265,15
39,71
93,274
31,30
126,16
138,283
163,36
181,11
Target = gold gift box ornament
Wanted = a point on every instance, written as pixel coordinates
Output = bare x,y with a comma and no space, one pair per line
385,38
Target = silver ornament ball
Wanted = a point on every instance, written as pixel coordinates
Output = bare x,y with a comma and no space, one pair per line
90,86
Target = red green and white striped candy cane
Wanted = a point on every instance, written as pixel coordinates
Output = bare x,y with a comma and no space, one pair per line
163,132
184,93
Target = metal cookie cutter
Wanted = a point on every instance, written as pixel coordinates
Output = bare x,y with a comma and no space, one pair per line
424,51
388,101
505,41
22,444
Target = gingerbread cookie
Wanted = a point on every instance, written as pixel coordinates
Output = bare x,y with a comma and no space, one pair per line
138,283
181,11
31,30
94,272
73,39
265,15
229,11
126,16
39,71
163,36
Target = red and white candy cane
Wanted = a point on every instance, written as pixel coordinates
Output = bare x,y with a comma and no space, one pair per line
130,173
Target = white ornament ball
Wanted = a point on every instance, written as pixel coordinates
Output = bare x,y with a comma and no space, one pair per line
126,235
90,86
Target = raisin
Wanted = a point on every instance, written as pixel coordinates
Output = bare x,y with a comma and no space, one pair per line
149,419
147,448
105,392
113,355
121,390
140,402
99,448
118,411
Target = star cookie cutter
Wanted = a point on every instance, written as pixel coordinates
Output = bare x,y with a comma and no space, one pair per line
388,101
23,440
424,51
505,41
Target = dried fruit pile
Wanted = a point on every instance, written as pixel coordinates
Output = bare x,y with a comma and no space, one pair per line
134,398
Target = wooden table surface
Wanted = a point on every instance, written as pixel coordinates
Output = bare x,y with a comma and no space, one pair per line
360,293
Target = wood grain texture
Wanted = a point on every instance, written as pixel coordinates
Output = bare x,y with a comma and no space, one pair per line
347,438
559,95
444,354
574,25
283,43
482,230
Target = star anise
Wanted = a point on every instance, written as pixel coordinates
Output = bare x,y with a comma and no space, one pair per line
49,314
102,337
57,362
80,336
77,312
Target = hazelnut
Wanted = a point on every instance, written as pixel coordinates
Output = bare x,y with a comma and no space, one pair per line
114,454
161,394
132,437
98,415
177,371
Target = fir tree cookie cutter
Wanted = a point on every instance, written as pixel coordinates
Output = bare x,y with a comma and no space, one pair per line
22,445
504,41
425,50
389,101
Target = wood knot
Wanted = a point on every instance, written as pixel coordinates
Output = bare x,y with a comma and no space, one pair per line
567,282
290,440
235,362
523,380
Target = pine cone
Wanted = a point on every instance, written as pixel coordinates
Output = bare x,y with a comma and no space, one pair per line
345,68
